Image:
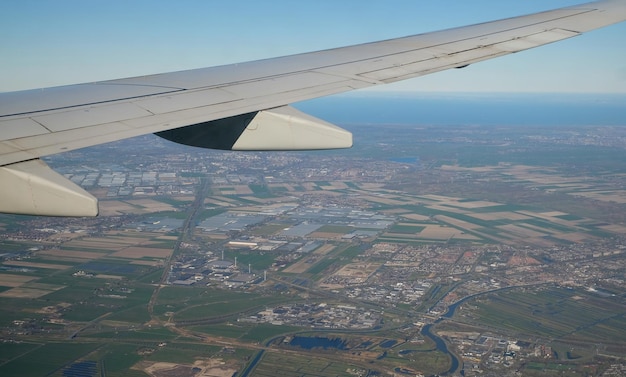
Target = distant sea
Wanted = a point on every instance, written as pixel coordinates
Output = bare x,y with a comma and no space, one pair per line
503,109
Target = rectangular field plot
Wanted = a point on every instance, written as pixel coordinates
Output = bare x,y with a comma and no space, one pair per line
111,267
12,280
139,206
494,216
71,254
275,365
430,233
142,252
23,292
50,266
98,244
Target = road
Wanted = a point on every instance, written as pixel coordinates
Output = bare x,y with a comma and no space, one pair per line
185,234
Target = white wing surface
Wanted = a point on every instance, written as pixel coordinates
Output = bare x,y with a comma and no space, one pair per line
241,106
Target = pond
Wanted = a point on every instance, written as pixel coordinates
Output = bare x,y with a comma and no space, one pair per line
309,342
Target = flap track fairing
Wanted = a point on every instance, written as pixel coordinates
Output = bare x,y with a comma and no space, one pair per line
279,129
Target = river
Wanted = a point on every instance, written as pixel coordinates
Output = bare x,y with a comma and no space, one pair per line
441,346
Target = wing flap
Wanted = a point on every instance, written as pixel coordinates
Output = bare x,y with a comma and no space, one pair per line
21,128
42,145
71,96
90,116
534,40
186,100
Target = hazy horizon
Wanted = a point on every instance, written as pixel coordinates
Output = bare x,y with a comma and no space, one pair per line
514,109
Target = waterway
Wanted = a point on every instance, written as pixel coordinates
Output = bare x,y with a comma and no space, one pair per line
439,342
441,346
307,342
251,366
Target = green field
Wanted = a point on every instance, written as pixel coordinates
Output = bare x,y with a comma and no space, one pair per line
183,353
340,229
275,364
44,360
220,308
406,229
556,313
192,304
258,260
268,229
245,331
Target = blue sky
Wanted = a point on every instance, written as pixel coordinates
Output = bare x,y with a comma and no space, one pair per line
48,43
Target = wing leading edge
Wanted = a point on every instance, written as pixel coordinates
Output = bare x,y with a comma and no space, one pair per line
243,106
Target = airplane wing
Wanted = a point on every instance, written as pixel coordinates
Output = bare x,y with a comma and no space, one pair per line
241,106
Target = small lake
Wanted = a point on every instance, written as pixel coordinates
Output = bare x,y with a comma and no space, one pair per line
309,342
